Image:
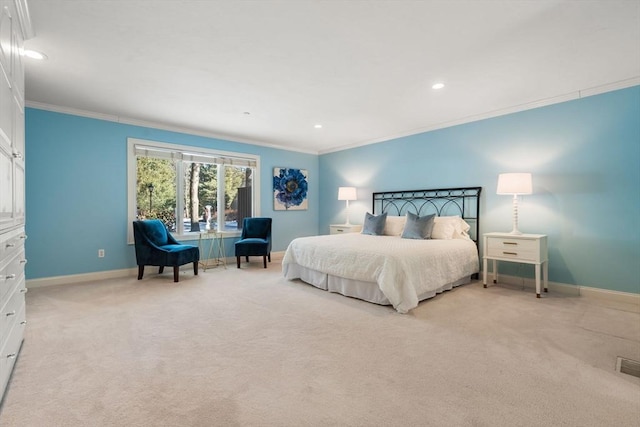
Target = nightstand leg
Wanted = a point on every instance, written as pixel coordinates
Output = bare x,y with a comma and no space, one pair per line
545,275
495,271
484,272
537,280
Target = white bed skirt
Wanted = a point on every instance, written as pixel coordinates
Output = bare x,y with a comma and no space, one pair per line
367,291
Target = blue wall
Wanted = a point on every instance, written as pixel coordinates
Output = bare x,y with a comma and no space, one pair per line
584,156
76,191
585,159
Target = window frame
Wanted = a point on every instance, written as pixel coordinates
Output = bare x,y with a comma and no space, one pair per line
132,178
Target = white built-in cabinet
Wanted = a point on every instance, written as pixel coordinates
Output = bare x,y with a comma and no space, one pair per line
15,27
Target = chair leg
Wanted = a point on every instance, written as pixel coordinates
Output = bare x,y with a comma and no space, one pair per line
140,271
264,260
195,268
161,269
247,258
176,273
238,259
269,256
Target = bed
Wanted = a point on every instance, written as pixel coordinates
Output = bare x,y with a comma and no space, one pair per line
388,269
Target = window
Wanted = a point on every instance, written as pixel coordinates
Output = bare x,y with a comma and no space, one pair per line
191,189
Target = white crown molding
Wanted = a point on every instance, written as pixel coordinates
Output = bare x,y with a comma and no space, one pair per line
583,93
159,126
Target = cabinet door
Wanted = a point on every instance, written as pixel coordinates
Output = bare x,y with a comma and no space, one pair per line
5,36
6,111
6,188
17,64
18,164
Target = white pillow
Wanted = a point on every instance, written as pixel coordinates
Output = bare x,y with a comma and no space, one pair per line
450,227
394,225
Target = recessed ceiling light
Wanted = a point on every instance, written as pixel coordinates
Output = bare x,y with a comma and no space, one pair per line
318,126
437,86
34,54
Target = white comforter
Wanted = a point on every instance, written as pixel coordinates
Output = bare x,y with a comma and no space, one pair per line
402,268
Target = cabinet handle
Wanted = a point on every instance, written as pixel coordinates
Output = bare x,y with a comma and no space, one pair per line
24,322
17,155
510,253
24,236
11,313
23,290
510,243
23,261
11,356
10,277
10,245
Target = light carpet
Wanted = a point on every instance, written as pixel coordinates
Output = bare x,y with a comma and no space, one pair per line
249,348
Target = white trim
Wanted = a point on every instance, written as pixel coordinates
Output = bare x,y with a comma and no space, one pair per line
277,256
608,295
80,278
562,288
161,126
112,274
582,93
132,179
598,294
609,87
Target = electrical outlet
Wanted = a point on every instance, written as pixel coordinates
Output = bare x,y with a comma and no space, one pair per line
100,253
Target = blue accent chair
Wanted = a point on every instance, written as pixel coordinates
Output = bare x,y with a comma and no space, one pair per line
156,246
255,240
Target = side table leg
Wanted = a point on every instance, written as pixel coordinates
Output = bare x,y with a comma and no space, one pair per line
484,272
537,280
545,275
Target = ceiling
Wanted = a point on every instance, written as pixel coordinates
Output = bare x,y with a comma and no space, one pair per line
266,72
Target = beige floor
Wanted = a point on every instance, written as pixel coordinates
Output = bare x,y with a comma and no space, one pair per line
248,348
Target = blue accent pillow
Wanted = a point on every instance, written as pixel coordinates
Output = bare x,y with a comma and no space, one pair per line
418,227
374,224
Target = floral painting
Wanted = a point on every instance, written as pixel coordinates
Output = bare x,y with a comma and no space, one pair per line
290,189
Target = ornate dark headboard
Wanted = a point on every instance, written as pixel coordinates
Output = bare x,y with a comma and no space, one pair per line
443,202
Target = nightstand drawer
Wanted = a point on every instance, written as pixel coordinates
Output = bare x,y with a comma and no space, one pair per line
344,228
513,245
510,248
513,253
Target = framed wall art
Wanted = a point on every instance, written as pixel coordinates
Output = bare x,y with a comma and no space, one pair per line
290,189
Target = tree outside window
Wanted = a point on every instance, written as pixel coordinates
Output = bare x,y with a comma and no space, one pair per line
185,194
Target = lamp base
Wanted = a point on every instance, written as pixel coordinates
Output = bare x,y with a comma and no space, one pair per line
515,230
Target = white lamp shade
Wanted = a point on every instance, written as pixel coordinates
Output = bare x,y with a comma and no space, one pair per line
347,193
514,183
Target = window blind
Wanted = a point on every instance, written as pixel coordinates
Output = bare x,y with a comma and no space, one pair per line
163,153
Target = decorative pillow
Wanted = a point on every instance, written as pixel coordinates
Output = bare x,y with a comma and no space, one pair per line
450,227
418,227
374,224
394,225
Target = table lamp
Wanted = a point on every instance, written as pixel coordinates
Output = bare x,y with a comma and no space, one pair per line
514,184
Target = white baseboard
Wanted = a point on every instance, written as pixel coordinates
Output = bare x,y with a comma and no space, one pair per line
574,290
80,278
114,274
563,288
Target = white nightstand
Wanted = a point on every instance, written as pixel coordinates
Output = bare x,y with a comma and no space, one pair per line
344,228
523,248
